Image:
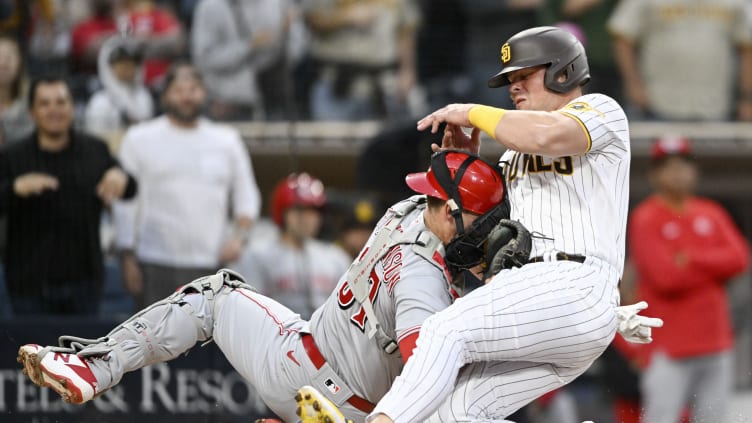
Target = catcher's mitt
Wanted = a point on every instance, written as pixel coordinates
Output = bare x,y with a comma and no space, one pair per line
508,246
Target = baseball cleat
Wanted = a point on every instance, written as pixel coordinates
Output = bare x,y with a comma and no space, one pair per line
316,408
67,374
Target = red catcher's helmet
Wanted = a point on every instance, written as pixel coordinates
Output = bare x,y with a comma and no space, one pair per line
479,184
297,190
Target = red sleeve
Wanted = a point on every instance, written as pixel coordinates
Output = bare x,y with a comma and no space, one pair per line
655,260
407,345
82,35
77,40
726,258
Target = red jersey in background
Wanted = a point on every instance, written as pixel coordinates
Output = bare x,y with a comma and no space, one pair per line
684,260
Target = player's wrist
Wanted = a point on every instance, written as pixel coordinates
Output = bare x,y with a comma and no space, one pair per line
486,118
126,254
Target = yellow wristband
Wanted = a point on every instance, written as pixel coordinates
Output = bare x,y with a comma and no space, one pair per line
486,118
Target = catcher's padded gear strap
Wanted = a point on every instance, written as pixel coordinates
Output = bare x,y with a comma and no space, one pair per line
425,244
69,345
451,185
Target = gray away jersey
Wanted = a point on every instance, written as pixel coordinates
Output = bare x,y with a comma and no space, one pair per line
406,290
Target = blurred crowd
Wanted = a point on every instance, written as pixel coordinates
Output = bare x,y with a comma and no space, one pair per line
161,77
354,60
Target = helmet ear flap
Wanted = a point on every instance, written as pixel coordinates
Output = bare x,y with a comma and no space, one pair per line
576,71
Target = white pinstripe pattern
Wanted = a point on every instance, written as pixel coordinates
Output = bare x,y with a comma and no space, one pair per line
531,330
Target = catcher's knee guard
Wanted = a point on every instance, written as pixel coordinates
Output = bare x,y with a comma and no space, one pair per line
209,286
159,332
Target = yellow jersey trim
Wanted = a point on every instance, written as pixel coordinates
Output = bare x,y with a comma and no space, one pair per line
584,128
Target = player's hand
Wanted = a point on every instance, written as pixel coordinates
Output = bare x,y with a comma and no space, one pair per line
231,251
34,183
456,114
112,185
455,138
633,327
132,276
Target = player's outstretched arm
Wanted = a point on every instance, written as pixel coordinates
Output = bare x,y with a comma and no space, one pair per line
549,133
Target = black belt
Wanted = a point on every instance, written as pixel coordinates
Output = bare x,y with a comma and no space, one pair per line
560,257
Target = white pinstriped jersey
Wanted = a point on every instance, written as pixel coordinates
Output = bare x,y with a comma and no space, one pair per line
534,328
408,289
559,198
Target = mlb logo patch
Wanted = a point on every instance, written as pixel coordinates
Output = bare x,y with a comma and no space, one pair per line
331,386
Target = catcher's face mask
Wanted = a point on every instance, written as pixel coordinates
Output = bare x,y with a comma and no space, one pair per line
466,250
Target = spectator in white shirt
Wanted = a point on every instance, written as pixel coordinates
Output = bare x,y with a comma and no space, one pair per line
191,171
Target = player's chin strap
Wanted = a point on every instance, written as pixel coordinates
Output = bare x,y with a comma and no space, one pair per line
425,244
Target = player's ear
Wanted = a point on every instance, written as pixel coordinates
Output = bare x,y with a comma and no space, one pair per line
447,213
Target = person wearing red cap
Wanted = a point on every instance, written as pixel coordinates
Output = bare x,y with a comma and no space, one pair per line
354,345
685,249
295,268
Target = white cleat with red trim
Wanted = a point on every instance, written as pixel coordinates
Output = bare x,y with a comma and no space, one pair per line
66,373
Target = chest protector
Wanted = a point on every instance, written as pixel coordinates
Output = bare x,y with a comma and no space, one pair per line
424,244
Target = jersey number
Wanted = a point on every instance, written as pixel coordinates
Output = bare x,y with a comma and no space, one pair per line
346,299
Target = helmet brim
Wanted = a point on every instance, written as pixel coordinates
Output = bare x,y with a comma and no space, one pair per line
421,183
500,79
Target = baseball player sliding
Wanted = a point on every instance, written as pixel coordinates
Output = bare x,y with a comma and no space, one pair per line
537,327
354,345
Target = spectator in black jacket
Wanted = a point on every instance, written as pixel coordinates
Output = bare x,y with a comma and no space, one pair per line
53,187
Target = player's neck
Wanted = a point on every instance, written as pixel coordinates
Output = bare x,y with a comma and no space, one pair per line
432,220
293,241
53,142
674,201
